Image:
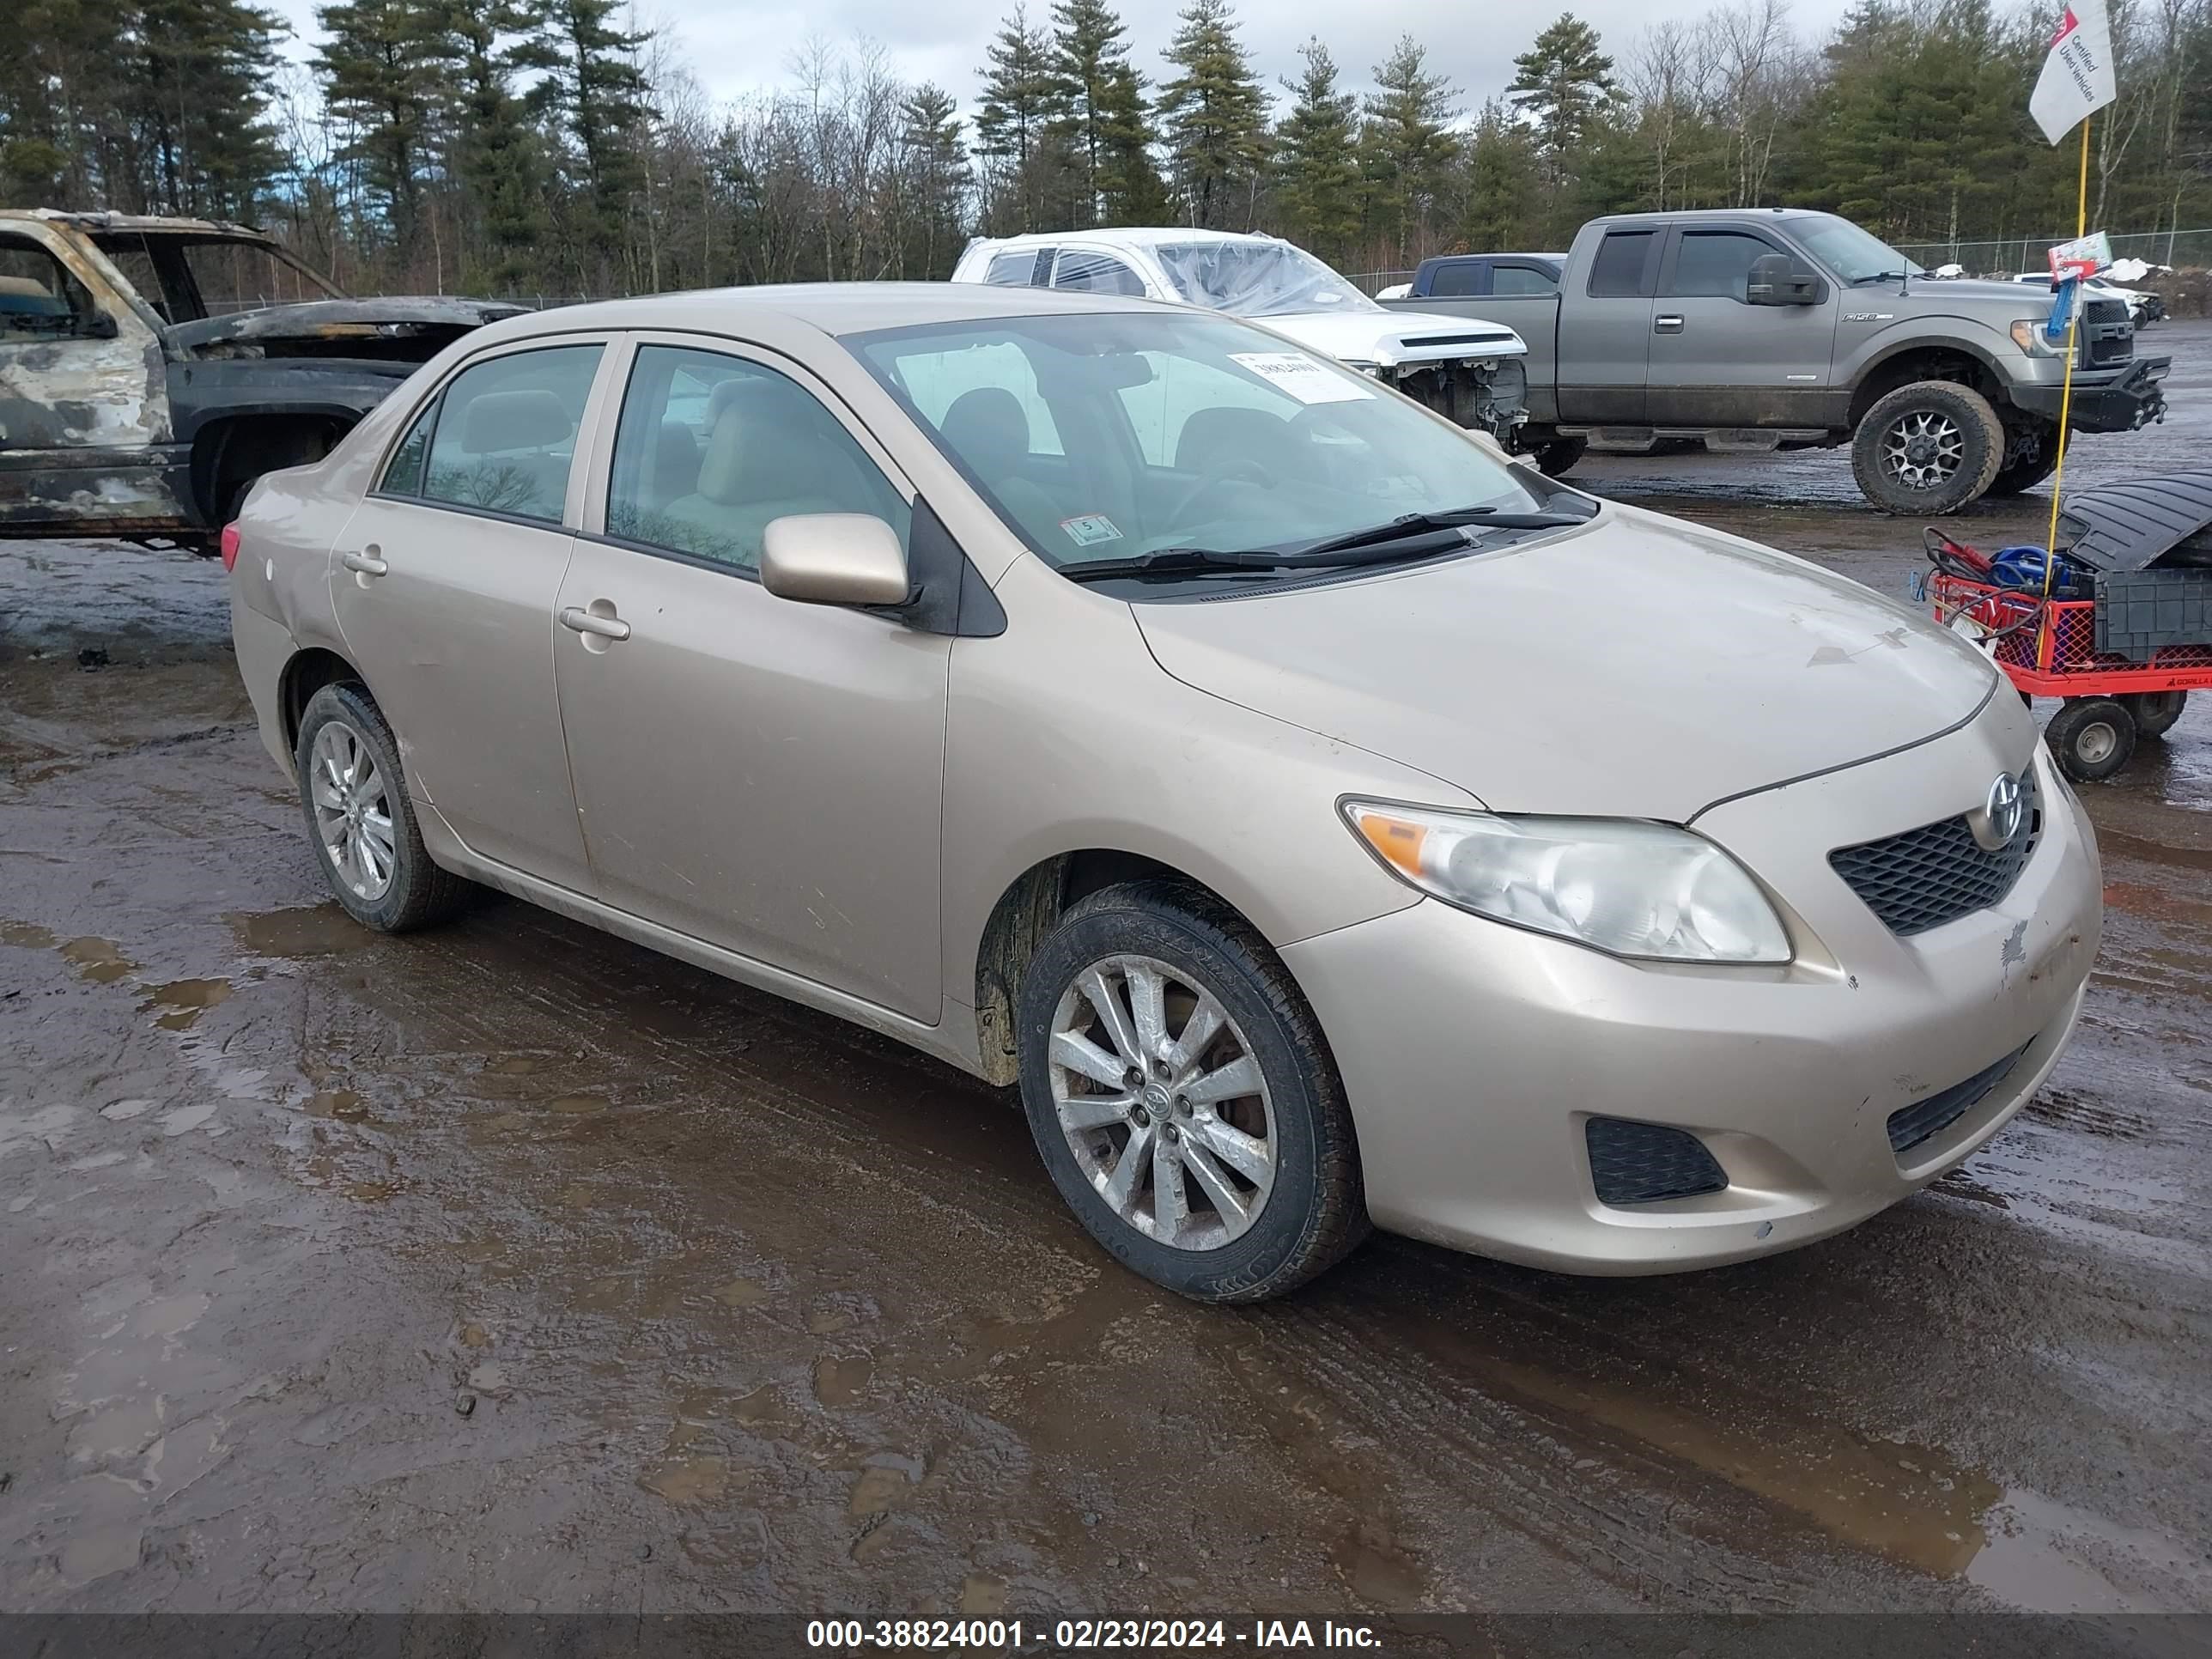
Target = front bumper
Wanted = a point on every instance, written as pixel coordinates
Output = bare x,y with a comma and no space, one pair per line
2135,397
1474,1054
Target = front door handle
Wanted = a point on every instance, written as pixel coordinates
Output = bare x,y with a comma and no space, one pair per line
585,622
1666,324
365,562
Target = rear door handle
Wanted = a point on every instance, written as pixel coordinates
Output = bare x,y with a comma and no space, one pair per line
583,621
1666,324
366,561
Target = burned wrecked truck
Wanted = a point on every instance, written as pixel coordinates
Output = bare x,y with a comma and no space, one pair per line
150,369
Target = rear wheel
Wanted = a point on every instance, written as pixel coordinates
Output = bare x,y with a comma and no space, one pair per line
1559,457
1928,449
2091,737
359,817
1182,1099
2155,712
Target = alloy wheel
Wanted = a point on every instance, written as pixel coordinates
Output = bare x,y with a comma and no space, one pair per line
1924,450
353,812
1162,1101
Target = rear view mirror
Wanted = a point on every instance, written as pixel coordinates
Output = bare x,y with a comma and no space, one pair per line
833,558
1779,280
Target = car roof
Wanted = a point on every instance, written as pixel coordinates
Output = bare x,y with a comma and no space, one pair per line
140,222
835,308
1715,215
1128,236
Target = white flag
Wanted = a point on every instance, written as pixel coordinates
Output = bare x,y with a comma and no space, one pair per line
2077,76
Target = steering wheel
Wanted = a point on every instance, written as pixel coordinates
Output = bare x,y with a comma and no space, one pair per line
1244,468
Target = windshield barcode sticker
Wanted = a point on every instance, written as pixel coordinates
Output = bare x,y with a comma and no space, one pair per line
1089,529
1307,381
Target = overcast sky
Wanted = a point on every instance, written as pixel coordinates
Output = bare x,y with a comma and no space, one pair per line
735,46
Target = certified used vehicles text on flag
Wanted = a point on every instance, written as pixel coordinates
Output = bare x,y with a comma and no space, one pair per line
2077,76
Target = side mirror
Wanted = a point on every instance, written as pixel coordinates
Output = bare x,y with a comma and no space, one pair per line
1779,280
833,558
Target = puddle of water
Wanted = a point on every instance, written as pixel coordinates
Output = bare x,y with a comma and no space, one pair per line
513,1066
2033,1559
876,1490
315,930
1376,1570
185,1001
578,1105
691,1482
97,959
26,935
343,1104
840,1382
740,1293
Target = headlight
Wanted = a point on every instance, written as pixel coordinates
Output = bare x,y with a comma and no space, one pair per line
1373,371
1633,889
2027,334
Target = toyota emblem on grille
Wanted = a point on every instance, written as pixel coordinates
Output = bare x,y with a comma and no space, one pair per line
2002,813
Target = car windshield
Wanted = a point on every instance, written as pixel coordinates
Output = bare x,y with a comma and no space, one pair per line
1256,279
1853,254
1107,436
186,278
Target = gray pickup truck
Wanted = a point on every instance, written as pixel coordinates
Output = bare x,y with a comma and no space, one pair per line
1765,329
151,369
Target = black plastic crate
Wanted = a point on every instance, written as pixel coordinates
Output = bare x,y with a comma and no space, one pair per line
2140,612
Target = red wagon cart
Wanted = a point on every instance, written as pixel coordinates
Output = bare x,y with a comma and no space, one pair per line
2047,646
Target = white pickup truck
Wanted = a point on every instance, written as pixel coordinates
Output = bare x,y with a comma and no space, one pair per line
1469,370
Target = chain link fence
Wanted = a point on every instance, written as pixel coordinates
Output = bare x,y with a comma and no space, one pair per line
2182,250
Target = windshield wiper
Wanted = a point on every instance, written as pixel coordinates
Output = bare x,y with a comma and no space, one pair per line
1878,276
1183,562
1457,526
1415,535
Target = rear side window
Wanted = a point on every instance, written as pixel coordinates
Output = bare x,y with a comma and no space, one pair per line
1617,273
713,449
1522,280
404,471
1715,265
1457,280
38,301
505,432
1011,270
1097,273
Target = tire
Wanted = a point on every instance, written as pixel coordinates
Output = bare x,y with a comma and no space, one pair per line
1312,1209
2091,737
1928,449
2155,712
1561,456
341,720
2024,472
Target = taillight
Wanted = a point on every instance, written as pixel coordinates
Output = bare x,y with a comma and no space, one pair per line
230,546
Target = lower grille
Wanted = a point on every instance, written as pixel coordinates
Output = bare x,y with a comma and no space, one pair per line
1927,1118
2108,335
1924,877
1643,1162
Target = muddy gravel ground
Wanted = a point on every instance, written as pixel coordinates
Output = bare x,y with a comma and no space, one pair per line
512,1267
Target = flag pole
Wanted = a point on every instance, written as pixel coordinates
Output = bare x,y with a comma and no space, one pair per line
2066,391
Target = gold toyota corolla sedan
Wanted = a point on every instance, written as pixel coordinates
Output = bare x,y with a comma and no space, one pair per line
1322,820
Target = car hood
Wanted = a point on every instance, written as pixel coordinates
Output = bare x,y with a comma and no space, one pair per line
333,327
1637,667
1382,336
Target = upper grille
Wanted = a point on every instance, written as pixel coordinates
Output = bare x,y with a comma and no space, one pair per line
1910,1125
2108,334
1926,877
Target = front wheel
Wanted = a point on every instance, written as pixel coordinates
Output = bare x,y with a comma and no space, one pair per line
2091,737
1181,1097
1928,449
1559,457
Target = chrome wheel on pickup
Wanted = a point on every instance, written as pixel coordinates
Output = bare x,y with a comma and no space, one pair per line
1928,448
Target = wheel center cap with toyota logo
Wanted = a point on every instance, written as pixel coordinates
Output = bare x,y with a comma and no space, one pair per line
2002,815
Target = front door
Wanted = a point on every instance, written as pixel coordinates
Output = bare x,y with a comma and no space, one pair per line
84,403
1605,334
761,775
444,584
1719,360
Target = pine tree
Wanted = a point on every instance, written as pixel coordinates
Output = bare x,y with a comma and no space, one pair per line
595,94
1015,109
499,160
937,178
1316,159
1566,83
384,69
1405,144
200,86
1215,116
1088,47
1501,181
1131,189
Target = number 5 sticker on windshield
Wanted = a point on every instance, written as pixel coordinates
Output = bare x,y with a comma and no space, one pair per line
1302,377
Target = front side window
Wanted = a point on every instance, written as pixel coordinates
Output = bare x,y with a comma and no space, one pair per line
505,432
1522,280
1853,254
234,275
40,301
1256,278
1097,273
1457,280
711,449
1716,265
1182,430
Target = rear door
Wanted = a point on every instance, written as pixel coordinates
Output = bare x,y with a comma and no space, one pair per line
1719,360
444,584
1605,331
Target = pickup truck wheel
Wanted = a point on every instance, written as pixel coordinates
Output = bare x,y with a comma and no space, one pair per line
1555,459
1928,449
2025,471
